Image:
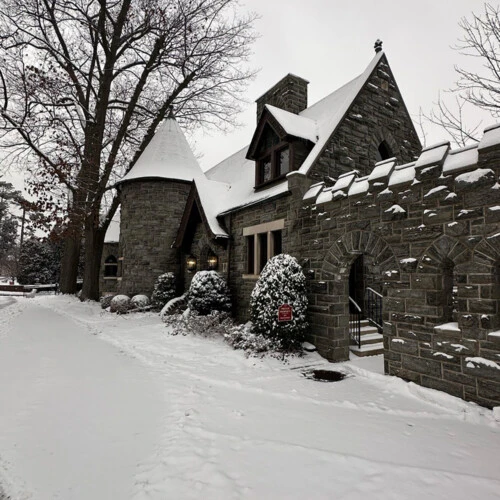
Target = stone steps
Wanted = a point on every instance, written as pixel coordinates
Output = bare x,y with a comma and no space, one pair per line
371,341
368,349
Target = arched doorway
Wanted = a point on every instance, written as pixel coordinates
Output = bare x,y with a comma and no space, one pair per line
358,265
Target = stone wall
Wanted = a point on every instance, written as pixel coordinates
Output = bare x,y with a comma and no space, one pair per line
150,215
290,94
419,233
377,114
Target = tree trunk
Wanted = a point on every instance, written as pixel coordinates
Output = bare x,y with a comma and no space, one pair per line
69,263
94,244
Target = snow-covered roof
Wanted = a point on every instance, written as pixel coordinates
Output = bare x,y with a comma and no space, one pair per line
210,193
239,173
167,156
295,125
113,232
328,112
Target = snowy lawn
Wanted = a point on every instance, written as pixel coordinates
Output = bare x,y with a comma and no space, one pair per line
100,406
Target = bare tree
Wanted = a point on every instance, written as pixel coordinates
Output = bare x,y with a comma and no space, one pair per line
474,88
84,85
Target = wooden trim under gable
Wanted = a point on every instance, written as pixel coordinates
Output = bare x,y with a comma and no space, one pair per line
193,199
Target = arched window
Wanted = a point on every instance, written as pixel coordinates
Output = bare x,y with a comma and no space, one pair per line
383,152
111,267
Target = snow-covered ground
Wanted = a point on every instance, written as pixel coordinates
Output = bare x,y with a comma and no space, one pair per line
98,406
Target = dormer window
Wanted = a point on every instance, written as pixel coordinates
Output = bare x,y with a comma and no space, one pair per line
281,141
273,165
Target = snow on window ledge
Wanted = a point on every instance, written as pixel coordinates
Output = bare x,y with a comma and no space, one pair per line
250,276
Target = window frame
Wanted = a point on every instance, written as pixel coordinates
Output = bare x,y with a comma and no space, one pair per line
273,154
253,235
111,262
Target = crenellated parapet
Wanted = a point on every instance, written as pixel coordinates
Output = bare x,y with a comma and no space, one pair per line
429,232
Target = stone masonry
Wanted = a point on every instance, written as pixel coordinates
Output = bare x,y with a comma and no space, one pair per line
290,94
417,233
150,215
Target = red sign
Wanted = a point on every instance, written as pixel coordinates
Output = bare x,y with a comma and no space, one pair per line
285,312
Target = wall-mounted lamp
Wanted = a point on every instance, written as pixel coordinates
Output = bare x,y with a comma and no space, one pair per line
191,263
212,261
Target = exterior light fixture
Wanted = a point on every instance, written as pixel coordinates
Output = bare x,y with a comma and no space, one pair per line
191,263
212,261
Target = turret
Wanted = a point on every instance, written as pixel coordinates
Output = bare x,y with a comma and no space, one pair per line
153,196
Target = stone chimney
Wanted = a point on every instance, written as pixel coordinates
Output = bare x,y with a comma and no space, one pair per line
290,94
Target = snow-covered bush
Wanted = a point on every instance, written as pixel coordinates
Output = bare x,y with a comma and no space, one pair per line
208,292
254,344
164,290
282,281
139,301
120,304
214,324
106,301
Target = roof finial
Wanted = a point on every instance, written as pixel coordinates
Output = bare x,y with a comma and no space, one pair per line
378,45
171,111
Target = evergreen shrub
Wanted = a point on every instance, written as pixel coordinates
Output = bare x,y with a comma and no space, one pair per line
164,290
282,281
208,292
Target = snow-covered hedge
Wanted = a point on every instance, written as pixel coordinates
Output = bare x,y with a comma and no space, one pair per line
282,281
140,301
208,292
120,304
164,290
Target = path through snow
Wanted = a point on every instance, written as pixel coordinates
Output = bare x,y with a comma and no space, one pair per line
232,427
76,414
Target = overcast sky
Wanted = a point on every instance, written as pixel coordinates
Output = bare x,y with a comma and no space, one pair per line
328,43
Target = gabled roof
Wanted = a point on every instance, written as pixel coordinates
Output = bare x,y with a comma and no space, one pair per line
201,197
329,112
239,173
295,125
317,122
167,156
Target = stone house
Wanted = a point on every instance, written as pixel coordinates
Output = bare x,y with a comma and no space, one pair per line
401,246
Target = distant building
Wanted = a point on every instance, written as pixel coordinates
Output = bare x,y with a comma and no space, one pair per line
409,239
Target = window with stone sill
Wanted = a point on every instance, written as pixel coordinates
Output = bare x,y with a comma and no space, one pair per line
111,267
263,241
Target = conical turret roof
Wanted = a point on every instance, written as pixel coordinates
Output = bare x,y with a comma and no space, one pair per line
167,156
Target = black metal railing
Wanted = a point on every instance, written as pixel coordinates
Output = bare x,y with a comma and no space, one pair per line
373,307
354,322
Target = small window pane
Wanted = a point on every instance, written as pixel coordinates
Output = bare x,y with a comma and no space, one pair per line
284,161
262,250
250,254
266,172
278,246
110,267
